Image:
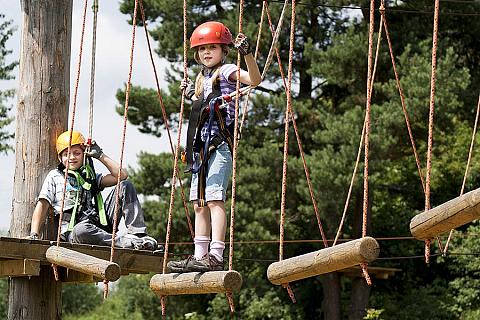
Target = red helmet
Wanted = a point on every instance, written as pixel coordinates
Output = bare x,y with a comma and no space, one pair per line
209,33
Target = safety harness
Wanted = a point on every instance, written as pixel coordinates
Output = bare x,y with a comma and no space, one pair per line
213,108
86,181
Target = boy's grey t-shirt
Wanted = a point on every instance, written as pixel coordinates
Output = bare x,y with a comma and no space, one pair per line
52,190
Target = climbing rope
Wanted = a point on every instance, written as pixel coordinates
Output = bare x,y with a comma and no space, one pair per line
430,119
177,151
285,144
92,76
122,144
234,159
72,124
349,193
402,96
165,119
297,135
259,36
367,133
474,133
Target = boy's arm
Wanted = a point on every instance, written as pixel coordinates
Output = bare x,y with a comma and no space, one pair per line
38,217
112,166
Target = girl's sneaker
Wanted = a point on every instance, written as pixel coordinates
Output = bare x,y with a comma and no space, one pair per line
207,263
180,266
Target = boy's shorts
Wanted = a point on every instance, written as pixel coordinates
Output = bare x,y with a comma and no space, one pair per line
219,172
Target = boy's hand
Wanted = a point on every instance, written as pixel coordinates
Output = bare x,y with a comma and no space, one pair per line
95,151
189,88
242,44
32,236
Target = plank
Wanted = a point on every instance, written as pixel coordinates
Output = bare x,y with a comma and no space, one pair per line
19,268
129,260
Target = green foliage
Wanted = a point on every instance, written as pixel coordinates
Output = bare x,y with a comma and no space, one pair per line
80,298
328,102
3,298
6,31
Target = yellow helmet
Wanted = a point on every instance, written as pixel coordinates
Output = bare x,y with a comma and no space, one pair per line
63,139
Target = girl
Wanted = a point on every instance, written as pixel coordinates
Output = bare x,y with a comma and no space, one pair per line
210,139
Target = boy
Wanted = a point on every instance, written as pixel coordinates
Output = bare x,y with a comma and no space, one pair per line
86,217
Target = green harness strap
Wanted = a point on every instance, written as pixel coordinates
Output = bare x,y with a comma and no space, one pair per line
87,186
98,196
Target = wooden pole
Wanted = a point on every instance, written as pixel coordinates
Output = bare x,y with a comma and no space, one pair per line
84,263
447,216
196,283
327,260
42,111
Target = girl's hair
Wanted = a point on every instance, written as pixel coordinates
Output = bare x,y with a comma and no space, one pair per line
201,78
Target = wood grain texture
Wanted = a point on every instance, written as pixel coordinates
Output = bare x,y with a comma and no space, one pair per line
83,263
327,260
196,283
447,216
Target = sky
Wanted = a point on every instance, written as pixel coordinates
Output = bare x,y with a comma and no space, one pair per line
112,62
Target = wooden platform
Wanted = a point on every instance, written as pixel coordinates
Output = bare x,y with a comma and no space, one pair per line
129,260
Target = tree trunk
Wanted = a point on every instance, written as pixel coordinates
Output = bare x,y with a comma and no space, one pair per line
42,112
331,296
360,289
358,299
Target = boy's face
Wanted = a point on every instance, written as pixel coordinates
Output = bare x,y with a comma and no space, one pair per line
76,157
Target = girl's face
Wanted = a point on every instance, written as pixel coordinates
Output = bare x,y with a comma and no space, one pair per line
76,157
210,55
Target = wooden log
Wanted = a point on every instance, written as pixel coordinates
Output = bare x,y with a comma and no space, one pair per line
327,260
447,216
42,112
196,283
19,268
83,263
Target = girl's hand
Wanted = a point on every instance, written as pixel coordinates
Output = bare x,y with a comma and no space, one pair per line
187,85
242,44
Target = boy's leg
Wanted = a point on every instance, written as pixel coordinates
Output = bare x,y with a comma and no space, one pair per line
88,233
131,210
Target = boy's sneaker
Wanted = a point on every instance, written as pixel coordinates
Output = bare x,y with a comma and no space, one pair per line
207,263
180,266
149,243
131,241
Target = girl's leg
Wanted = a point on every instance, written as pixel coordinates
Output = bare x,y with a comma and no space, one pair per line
219,227
202,230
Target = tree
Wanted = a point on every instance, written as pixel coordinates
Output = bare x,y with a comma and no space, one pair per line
6,31
329,70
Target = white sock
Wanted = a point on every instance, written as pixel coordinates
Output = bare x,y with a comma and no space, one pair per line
217,248
201,246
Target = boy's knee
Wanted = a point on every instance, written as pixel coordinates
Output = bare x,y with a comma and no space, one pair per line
81,232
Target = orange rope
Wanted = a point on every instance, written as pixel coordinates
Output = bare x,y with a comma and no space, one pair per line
299,142
122,148
474,133
259,36
430,117
235,145
367,131
72,123
347,201
285,145
177,150
402,99
165,120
